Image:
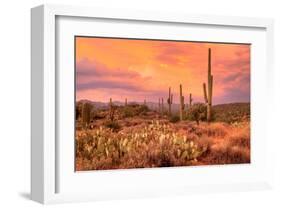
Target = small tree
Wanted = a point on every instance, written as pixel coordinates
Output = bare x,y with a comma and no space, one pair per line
197,112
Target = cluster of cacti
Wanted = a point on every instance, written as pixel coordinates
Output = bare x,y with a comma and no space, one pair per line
170,101
101,146
208,96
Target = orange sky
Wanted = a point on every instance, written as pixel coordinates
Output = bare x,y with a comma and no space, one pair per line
145,69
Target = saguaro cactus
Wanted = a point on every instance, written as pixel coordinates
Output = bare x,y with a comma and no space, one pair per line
86,114
111,110
170,100
144,102
159,105
181,103
190,100
126,102
209,96
162,106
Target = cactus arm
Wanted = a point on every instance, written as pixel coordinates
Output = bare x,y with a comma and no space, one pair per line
211,90
205,93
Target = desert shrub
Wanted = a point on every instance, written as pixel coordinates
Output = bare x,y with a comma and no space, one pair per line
142,109
174,119
98,115
132,110
128,111
113,125
197,112
93,113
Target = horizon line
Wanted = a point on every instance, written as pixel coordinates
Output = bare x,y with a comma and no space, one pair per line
157,102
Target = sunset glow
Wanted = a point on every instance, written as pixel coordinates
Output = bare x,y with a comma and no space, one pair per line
145,69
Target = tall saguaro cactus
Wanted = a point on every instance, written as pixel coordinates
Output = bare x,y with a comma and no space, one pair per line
126,102
170,100
159,105
209,96
190,100
162,106
111,110
181,103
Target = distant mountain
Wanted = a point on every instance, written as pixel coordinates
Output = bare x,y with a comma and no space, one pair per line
221,110
150,105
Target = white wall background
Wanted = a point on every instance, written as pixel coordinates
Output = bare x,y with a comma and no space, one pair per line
15,103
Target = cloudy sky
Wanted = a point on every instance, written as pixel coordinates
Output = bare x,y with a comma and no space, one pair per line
145,69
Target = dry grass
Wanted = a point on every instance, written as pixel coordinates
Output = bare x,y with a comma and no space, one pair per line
162,144
232,147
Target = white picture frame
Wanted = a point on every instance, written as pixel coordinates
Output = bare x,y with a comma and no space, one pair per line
52,181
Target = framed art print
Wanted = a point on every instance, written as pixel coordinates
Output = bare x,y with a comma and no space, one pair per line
145,104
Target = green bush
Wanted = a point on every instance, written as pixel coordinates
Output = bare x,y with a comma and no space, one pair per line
128,112
143,109
197,112
134,109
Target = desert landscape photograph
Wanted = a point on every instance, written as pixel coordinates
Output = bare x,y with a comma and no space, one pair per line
143,103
